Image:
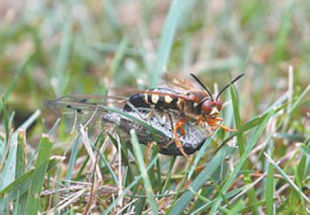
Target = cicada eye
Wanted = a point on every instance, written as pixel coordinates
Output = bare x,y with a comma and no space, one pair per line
207,106
219,104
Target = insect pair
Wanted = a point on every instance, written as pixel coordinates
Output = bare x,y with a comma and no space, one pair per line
179,115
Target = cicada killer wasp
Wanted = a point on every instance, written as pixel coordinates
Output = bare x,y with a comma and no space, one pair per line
194,105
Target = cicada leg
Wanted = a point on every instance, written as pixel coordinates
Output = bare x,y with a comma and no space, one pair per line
151,113
148,152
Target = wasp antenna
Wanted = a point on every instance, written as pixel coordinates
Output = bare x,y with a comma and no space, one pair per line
201,84
232,82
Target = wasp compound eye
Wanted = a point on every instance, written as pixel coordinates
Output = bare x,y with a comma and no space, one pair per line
219,104
207,106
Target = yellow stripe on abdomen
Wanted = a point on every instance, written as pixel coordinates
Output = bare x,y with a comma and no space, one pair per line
154,98
168,99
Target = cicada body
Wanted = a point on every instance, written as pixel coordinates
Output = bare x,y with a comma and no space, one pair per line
163,134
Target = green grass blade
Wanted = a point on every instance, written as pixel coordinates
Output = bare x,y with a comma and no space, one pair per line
305,149
119,55
286,26
30,120
241,161
128,188
294,198
178,10
208,203
60,73
200,180
240,136
299,99
20,169
20,162
270,207
45,150
287,178
199,155
2,152
73,158
241,146
17,188
19,185
168,178
112,16
105,162
8,172
251,124
6,127
142,168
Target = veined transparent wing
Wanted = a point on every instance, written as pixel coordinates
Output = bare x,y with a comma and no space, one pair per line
83,109
150,125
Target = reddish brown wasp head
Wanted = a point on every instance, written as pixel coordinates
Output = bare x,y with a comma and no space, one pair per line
211,108
218,104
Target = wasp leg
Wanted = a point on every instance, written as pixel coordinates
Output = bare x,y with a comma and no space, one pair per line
210,121
179,126
218,119
199,120
175,127
213,123
225,128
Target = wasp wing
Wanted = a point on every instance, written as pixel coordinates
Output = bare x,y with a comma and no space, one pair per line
157,126
82,109
176,82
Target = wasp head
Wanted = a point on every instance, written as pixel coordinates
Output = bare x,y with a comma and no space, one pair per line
211,108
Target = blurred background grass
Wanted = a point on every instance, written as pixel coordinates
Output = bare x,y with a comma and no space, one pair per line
54,48
50,49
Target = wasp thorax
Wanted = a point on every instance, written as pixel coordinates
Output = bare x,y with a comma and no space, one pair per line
211,107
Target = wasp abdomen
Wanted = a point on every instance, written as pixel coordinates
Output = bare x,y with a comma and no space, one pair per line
155,98
137,100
